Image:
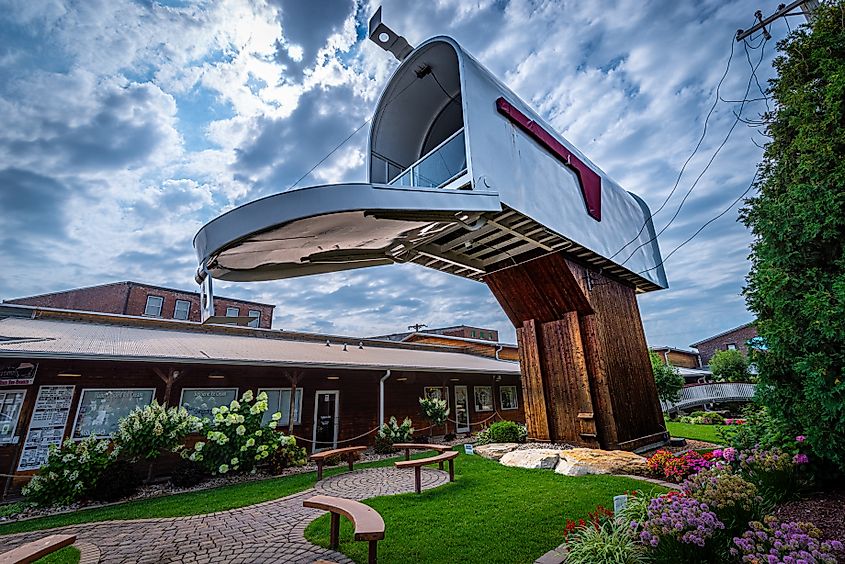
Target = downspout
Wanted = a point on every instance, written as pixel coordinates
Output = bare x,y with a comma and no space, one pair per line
381,397
498,350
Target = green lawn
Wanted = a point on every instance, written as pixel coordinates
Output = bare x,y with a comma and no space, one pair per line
67,555
491,513
191,503
699,432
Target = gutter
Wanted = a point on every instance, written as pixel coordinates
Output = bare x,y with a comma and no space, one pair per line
381,396
498,350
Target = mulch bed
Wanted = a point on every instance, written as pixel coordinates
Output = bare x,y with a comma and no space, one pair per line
824,510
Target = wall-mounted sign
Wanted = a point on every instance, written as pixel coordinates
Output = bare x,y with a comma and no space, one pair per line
46,425
200,401
100,410
22,374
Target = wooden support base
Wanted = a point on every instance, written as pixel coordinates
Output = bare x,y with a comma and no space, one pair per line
586,375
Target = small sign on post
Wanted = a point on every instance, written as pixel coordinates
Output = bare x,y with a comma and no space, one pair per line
619,503
468,449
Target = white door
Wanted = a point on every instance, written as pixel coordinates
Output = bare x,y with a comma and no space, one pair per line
326,420
461,409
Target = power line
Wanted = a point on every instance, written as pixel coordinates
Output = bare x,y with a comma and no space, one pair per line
700,229
694,151
706,168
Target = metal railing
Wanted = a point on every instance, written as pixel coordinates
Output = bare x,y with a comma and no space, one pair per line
702,394
438,167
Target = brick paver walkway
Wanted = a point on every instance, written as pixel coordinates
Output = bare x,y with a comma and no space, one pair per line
266,532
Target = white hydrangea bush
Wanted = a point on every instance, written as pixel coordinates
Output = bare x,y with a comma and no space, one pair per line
149,431
70,473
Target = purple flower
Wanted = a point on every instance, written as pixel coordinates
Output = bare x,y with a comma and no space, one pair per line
800,438
729,454
800,459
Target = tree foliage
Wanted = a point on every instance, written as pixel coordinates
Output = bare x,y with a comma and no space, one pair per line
729,366
797,281
669,381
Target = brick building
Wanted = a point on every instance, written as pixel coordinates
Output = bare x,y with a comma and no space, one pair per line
134,298
678,357
462,331
736,338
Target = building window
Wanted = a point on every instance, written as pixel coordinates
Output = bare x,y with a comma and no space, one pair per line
472,334
153,307
278,399
10,410
256,318
200,401
232,312
731,346
182,310
435,392
483,398
508,398
100,409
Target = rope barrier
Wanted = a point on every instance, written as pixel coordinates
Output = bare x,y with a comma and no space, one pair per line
479,422
349,440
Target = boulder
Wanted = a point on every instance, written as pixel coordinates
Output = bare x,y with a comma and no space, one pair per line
583,461
495,451
531,458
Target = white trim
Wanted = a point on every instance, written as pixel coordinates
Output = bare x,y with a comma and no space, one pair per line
160,305
492,400
230,308
336,394
515,398
299,393
79,407
458,428
187,311
18,418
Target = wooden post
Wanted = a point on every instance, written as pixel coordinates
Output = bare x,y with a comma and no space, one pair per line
334,533
372,552
168,378
451,469
417,479
586,376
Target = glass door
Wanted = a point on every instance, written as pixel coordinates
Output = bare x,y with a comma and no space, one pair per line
326,420
462,409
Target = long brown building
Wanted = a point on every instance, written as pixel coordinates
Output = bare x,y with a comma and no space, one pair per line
70,374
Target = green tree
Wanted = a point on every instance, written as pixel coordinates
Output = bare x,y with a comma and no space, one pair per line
796,286
729,366
669,381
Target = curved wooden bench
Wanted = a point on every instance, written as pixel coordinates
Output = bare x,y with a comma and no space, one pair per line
420,462
32,551
369,526
349,452
408,447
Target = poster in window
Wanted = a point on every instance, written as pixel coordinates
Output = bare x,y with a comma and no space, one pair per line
46,425
483,398
200,401
435,392
100,410
508,398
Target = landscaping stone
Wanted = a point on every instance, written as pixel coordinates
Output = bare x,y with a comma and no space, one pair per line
495,451
531,458
583,461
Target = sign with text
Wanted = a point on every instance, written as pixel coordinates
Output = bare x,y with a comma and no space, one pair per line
21,374
101,410
46,425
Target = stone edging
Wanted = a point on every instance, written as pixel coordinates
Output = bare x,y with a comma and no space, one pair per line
670,485
88,553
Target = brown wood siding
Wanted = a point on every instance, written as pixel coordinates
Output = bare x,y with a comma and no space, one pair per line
508,352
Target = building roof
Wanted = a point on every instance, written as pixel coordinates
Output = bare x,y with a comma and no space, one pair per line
135,284
674,349
723,333
91,340
410,336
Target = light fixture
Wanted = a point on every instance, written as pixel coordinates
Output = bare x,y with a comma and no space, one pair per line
332,377
498,378
69,375
216,376
402,379
455,379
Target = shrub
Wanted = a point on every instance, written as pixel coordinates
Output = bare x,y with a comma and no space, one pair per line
236,439
149,431
675,468
287,456
679,528
729,366
187,474
70,473
609,543
121,480
507,432
733,499
392,432
435,410
483,437
771,541
635,511
667,378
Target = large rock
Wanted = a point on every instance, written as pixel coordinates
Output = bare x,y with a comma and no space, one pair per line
495,451
583,461
531,458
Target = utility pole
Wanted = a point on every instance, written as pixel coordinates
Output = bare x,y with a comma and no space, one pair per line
784,11
417,326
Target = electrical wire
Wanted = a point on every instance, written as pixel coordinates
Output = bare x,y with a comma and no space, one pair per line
694,151
700,229
706,168
754,73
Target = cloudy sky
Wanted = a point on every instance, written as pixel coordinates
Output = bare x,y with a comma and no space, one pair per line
126,125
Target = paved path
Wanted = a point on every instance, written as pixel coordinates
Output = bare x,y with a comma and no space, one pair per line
266,532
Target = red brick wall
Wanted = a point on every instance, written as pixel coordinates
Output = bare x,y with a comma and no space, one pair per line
109,298
138,301
738,337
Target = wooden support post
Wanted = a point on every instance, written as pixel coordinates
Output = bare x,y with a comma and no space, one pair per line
319,470
350,460
372,552
586,376
451,469
334,531
168,378
417,479
407,454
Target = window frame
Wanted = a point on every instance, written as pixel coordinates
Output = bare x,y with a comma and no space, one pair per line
80,403
298,412
187,311
14,429
237,311
257,324
515,398
182,394
147,305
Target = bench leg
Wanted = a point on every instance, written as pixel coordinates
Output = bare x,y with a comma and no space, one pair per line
451,470
372,552
440,465
350,461
417,479
334,534
319,470
407,454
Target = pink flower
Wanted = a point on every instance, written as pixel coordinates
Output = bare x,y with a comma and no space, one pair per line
800,438
800,459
